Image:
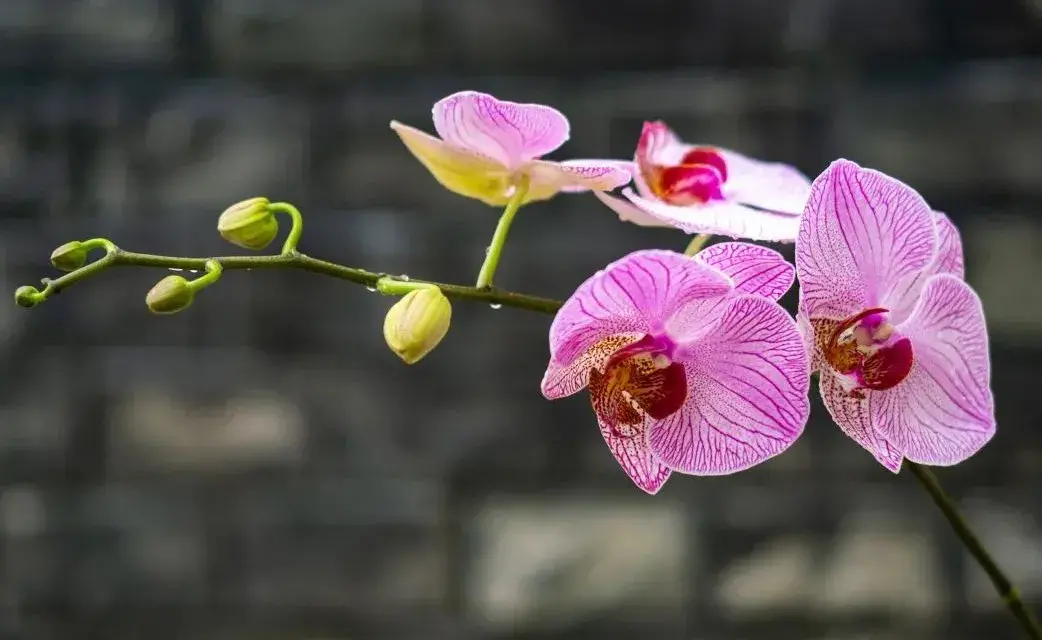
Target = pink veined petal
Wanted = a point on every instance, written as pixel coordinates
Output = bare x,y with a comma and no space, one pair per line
949,247
767,185
510,132
574,176
635,457
949,259
809,342
661,145
861,234
635,294
943,412
458,170
629,212
748,392
721,218
753,269
853,417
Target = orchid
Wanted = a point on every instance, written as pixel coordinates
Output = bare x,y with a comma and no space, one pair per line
488,148
898,338
690,363
701,189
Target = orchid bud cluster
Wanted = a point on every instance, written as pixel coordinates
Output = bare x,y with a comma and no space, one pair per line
690,364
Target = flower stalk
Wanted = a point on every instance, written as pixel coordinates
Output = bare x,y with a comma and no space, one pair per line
499,238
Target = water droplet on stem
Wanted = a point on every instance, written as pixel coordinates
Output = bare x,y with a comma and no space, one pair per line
495,305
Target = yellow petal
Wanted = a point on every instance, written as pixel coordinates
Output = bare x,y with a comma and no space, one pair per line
459,171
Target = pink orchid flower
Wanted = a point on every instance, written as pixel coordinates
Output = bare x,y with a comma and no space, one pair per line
898,337
488,146
691,364
700,189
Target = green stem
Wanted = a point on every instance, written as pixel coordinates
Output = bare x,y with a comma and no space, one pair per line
1009,594
697,243
295,231
499,238
395,286
212,275
30,296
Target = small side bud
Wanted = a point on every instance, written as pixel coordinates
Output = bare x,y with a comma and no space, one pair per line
70,256
170,295
417,323
250,224
27,297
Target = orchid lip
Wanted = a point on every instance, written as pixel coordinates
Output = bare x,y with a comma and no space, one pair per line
639,381
869,352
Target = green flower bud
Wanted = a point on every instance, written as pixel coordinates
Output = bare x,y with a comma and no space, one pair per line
249,224
70,256
27,297
170,295
417,323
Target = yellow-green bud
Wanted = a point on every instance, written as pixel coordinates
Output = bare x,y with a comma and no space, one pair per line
417,323
170,295
249,224
27,297
70,256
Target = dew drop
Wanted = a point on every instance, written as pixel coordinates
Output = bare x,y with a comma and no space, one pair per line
176,269
495,305
371,289
193,271
403,278
488,250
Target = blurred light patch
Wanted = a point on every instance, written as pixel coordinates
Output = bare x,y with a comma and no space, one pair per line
547,564
875,564
155,430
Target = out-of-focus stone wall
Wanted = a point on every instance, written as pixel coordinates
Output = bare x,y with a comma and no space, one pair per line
261,466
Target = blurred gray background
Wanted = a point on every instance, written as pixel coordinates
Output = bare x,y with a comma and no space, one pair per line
261,467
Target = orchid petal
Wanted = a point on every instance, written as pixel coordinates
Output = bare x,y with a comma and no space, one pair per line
748,392
722,218
629,212
458,170
810,342
862,232
660,145
635,294
574,176
766,185
949,259
510,132
753,269
635,457
853,416
943,412
949,247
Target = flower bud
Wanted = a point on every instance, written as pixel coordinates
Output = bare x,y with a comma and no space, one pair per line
417,323
70,256
27,297
249,224
170,295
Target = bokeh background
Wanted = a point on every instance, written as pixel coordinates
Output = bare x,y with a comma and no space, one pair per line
261,467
